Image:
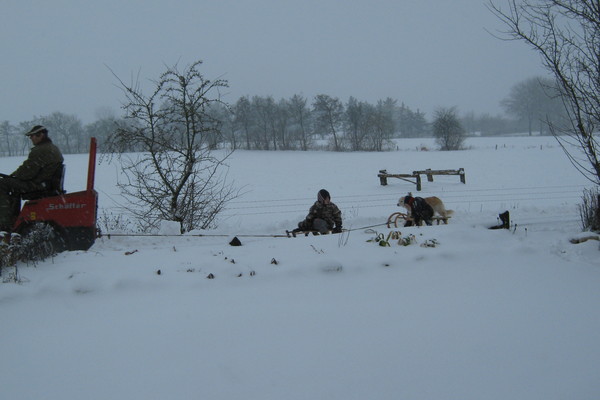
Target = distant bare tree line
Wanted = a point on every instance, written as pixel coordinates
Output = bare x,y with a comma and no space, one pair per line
261,123
299,123
65,130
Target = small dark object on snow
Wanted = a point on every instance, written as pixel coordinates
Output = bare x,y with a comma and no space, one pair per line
210,276
252,273
505,221
128,253
274,261
158,272
235,242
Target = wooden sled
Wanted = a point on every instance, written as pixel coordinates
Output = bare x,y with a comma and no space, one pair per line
308,232
394,217
305,233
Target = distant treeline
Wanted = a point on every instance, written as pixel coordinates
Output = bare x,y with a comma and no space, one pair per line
297,123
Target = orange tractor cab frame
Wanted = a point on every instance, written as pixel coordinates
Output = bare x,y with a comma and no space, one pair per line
71,215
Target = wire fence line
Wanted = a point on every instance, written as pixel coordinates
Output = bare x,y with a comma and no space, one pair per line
568,193
467,197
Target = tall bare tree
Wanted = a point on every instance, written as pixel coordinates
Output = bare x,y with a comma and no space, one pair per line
535,101
6,136
382,124
176,176
282,119
357,123
243,119
328,117
300,115
264,109
566,34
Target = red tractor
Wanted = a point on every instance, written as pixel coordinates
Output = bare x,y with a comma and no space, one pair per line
70,216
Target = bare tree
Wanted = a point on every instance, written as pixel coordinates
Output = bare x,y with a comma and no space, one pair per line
7,135
66,131
224,114
448,131
356,121
243,119
300,115
282,119
264,109
566,34
535,101
176,177
382,124
329,116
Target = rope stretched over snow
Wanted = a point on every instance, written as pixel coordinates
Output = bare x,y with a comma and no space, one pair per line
109,235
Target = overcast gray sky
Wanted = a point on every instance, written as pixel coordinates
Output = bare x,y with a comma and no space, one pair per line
56,54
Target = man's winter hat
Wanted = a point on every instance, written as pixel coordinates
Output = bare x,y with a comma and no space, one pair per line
323,194
36,129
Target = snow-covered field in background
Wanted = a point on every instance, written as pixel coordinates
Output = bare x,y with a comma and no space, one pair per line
486,314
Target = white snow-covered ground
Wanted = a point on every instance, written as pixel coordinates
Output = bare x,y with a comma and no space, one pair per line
486,314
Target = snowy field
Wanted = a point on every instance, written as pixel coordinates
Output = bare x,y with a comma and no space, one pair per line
485,314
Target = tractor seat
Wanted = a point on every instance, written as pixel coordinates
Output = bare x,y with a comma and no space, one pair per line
54,187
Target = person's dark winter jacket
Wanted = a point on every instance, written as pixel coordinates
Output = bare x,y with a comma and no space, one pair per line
35,174
420,211
41,164
323,215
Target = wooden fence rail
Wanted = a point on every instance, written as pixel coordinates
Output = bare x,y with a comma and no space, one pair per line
415,177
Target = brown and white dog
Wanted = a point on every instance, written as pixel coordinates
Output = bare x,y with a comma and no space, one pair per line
434,202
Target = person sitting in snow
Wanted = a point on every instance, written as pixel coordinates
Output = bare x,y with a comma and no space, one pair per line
420,210
323,216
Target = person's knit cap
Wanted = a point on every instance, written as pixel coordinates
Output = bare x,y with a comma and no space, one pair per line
36,129
323,194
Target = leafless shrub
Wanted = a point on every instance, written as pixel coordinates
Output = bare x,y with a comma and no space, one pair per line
589,210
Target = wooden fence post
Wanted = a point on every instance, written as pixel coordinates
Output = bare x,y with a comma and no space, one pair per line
429,175
382,177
